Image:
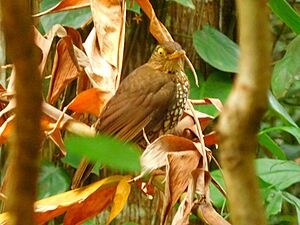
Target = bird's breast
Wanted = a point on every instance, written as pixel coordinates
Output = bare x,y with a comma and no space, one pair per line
176,108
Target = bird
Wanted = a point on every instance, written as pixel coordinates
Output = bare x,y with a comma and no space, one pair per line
148,103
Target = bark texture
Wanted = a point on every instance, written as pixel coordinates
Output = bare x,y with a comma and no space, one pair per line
25,145
243,111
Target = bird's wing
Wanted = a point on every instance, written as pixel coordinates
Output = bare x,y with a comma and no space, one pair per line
142,96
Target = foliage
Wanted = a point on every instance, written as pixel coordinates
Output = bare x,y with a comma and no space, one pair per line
277,173
107,151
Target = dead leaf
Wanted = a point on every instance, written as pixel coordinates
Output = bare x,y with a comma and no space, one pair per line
155,154
210,216
146,188
179,168
47,124
108,22
182,215
79,204
211,139
101,74
105,44
188,122
120,199
5,129
65,5
44,44
65,70
89,101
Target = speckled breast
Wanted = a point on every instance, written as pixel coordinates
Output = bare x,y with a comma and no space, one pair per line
177,108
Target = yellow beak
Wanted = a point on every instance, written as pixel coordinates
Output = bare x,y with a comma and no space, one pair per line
177,54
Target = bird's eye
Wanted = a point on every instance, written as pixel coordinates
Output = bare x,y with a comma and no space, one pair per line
162,52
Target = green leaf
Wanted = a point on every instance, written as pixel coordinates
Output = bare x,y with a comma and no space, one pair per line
186,3
106,150
89,222
294,201
265,140
280,111
291,199
279,173
72,18
218,85
129,223
286,13
135,7
274,203
285,77
52,180
217,198
217,49
291,130
74,161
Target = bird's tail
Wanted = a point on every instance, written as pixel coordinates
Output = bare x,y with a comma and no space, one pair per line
83,171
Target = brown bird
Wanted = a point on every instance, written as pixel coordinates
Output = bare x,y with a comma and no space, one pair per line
149,101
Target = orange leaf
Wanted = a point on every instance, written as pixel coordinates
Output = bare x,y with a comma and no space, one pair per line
80,204
65,5
120,199
5,129
89,101
211,138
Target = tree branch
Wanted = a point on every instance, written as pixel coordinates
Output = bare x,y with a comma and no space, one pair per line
24,150
242,114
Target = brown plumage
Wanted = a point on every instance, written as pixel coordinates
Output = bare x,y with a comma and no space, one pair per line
152,97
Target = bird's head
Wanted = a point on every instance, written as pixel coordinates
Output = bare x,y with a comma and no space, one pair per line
168,57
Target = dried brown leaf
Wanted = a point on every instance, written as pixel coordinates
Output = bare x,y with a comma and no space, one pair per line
105,44
108,22
179,168
101,74
155,155
210,216
182,215
66,69
188,122
45,45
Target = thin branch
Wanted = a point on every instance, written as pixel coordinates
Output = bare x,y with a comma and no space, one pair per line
243,111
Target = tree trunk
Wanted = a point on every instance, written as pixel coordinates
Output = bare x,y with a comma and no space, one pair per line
25,145
240,119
